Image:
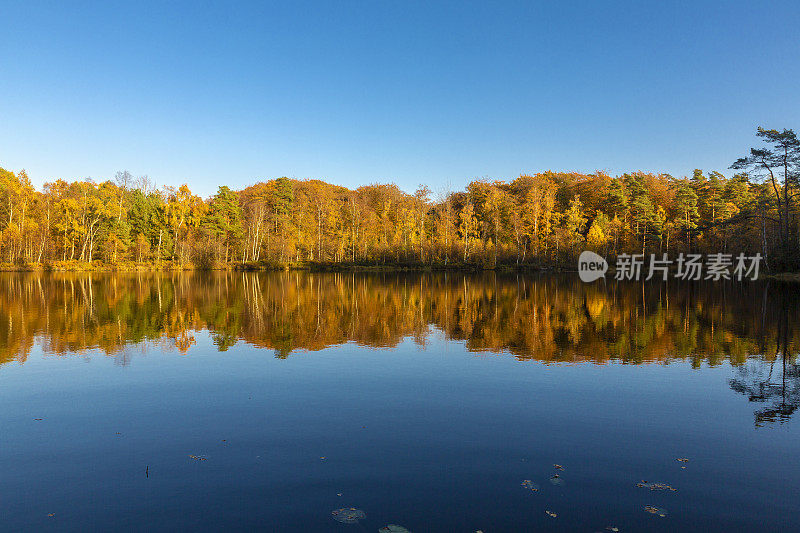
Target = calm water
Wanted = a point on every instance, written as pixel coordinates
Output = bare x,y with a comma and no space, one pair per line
423,400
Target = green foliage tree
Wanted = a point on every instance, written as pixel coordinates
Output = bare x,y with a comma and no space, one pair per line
779,165
686,207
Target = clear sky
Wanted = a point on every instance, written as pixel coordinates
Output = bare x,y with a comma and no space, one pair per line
407,92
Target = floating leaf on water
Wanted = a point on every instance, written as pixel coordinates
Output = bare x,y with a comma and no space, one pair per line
530,485
558,467
655,486
557,480
348,515
198,457
658,511
551,514
393,528
682,459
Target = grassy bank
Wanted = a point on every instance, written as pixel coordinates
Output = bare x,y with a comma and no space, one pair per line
315,266
783,276
95,266
312,266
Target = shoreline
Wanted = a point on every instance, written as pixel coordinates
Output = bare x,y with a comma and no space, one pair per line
312,266
265,266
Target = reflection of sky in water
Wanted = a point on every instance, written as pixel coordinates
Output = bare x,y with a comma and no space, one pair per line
434,439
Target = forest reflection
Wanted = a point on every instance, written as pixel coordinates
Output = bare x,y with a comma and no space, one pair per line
544,318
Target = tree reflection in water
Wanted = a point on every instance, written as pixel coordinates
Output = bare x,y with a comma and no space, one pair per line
777,389
546,318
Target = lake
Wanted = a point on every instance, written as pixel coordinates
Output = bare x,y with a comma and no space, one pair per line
438,401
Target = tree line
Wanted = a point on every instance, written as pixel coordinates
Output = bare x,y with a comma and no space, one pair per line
537,220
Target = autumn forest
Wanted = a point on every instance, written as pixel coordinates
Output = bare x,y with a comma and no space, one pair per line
540,220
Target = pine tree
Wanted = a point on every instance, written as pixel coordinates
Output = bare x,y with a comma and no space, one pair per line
686,206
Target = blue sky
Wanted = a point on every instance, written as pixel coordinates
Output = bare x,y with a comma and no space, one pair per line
405,92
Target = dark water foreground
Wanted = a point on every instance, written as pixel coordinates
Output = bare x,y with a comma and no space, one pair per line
268,400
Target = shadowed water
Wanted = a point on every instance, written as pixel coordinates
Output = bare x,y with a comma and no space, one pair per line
268,400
